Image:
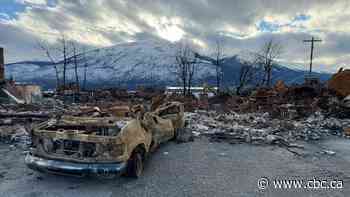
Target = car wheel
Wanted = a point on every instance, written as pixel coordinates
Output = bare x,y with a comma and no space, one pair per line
135,165
176,134
154,146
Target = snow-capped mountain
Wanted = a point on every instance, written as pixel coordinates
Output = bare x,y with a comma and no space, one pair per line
142,62
134,63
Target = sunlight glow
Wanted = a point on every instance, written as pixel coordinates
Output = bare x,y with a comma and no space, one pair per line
166,28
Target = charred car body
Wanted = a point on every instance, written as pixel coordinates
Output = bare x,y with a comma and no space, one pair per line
105,146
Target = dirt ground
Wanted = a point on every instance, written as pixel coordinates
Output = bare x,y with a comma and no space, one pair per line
198,168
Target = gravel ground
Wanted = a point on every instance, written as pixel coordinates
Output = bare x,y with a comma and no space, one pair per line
198,168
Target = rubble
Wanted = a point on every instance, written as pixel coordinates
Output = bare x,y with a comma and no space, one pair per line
347,132
340,82
281,115
346,101
328,152
16,135
261,128
16,122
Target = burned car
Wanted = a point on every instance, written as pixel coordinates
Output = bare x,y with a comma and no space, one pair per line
104,147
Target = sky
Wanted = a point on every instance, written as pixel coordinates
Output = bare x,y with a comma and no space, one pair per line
240,25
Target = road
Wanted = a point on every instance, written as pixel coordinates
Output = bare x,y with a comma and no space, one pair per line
198,168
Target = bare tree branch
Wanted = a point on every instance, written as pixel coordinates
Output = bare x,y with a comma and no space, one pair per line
218,64
186,61
75,62
217,61
44,46
270,51
245,76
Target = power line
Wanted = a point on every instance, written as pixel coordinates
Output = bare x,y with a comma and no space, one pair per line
312,50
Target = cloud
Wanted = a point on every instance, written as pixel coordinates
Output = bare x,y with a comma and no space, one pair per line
4,16
19,45
35,2
243,25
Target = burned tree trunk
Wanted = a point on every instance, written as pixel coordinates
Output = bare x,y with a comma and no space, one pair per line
245,76
218,65
85,72
191,72
49,54
268,55
185,67
75,60
65,62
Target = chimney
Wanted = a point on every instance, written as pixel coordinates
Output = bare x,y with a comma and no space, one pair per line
2,64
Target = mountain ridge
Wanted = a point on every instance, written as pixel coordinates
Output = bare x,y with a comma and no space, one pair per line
148,62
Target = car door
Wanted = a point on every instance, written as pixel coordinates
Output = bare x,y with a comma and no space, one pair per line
162,129
173,112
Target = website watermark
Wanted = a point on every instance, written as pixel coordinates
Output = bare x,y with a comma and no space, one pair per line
296,184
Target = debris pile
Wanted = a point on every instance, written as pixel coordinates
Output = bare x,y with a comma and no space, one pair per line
277,115
260,128
17,120
16,134
340,82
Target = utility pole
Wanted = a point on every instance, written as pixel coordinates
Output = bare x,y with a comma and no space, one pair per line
2,65
312,50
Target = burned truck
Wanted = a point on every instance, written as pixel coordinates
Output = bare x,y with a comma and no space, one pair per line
103,147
